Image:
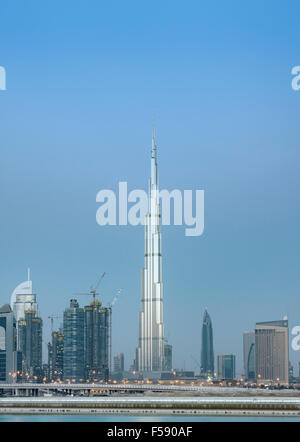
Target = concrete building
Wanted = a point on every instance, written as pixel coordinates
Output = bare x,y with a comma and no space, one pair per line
272,352
249,355
150,355
73,343
226,367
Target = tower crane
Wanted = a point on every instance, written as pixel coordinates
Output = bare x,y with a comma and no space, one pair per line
110,306
52,317
93,289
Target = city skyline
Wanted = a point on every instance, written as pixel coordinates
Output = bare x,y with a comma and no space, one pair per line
80,98
207,357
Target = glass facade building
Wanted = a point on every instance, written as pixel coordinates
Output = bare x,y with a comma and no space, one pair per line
150,352
226,367
119,363
73,360
249,355
57,356
30,342
8,354
168,362
23,299
96,341
207,347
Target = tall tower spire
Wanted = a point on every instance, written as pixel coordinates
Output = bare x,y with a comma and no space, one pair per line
154,171
150,352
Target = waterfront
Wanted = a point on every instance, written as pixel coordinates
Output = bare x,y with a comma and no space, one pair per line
153,408
138,419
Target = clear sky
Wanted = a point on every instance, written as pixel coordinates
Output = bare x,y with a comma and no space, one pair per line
84,81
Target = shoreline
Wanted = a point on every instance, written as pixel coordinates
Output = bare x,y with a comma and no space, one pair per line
153,406
147,413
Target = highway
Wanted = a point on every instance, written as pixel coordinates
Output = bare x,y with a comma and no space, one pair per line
143,387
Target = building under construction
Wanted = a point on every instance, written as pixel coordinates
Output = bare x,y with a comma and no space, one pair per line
30,330
73,363
96,341
56,356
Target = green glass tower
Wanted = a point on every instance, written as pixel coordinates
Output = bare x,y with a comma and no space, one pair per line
207,348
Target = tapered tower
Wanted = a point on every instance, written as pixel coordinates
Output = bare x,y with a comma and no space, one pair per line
150,352
207,350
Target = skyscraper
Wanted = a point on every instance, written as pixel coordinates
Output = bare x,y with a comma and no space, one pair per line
96,341
249,355
30,339
272,351
168,357
57,356
150,354
73,342
119,363
50,362
226,367
23,299
9,357
207,348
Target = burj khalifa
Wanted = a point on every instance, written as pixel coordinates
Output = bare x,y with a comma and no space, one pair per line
150,352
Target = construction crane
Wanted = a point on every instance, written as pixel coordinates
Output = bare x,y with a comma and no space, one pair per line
195,360
93,289
110,306
52,317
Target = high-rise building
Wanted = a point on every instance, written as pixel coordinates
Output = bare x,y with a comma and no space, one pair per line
168,357
226,367
96,341
49,369
291,372
73,343
57,355
9,357
249,355
23,299
272,352
30,340
151,324
207,348
119,363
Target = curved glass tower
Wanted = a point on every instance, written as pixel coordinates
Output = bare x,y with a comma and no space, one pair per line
249,355
150,352
207,349
23,299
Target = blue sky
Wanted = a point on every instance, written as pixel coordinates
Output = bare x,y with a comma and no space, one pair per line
84,82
